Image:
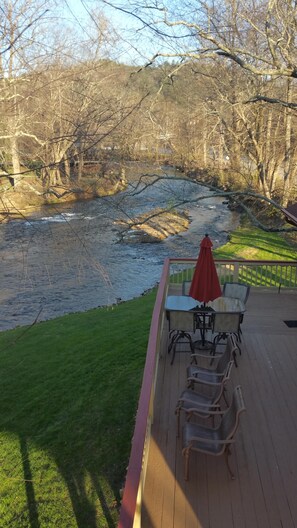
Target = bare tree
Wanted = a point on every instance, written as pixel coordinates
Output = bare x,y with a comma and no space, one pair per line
254,37
19,48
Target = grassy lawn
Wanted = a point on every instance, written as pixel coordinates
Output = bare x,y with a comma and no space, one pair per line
254,244
69,392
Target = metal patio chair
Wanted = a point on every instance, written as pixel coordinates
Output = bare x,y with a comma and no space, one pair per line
214,441
182,326
197,403
186,285
225,324
215,371
237,290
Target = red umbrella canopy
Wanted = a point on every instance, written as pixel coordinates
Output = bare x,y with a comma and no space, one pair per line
205,284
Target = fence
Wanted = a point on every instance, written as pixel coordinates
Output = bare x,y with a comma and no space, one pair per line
264,274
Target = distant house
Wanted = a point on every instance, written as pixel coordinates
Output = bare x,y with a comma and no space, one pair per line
291,214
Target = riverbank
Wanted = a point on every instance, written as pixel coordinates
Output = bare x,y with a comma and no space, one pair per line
26,193
21,199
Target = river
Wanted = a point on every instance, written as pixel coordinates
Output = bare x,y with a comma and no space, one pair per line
67,258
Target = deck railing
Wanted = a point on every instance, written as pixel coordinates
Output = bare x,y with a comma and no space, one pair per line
267,274
256,273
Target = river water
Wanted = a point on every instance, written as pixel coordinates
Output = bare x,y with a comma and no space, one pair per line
67,258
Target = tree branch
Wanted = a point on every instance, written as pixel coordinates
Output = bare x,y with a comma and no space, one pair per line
271,100
23,31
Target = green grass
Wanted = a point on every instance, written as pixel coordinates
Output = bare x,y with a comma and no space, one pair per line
69,393
253,244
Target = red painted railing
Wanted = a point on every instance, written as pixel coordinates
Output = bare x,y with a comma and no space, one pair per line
129,508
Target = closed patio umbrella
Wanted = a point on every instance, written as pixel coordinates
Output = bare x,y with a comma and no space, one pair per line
205,285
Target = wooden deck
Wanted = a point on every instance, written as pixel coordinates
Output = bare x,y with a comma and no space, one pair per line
264,456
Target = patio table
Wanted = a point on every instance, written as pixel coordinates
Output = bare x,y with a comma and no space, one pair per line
187,303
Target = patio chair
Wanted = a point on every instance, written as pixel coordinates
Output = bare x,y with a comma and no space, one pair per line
236,290
194,403
214,374
182,325
239,291
225,324
186,285
214,441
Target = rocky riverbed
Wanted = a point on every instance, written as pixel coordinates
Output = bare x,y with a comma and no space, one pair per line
154,227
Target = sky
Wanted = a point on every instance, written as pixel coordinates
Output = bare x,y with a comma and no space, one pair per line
133,48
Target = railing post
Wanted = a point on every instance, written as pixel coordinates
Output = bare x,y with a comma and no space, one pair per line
236,271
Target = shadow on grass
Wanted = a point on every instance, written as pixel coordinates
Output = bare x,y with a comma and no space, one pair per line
271,244
72,408
30,494
84,510
81,468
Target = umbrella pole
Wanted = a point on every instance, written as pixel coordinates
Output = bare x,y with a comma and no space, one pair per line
203,328
203,344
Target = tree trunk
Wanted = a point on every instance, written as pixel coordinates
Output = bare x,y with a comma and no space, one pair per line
80,165
288,153
15,159
67,168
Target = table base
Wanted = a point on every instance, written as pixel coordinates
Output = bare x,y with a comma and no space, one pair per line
206,345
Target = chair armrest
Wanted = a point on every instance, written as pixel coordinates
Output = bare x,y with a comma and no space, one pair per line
208,411
203,382
210,440
207,356
206,405
209,374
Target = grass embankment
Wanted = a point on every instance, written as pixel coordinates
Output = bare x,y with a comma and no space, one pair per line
253,244
69,392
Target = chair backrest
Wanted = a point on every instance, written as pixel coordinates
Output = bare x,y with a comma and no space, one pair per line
227,375
186,285
230,420
236,290
181,320
226,356
226,322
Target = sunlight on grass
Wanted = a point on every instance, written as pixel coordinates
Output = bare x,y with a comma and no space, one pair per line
70,389
254,244
32,472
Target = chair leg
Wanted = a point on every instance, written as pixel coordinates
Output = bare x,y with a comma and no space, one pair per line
177,412
240,331
227,454
173,339
190,384
173,353
178,337
224,396
186,453
237,336
194,360
234,358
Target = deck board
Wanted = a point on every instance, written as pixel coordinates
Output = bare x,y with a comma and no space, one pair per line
264,457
